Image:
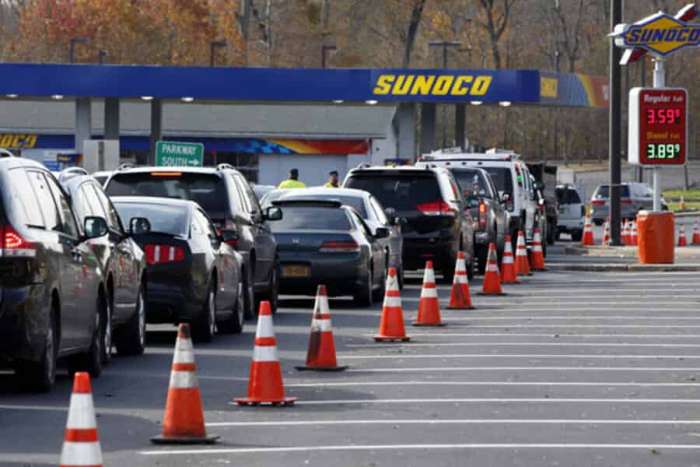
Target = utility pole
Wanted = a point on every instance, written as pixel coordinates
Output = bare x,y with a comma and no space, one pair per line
213,45
444,45
615,125
324,54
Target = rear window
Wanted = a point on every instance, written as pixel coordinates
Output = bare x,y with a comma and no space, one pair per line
502,178
398,191
311,218
472,183
603,191
209,191
567,196
352,201
164,219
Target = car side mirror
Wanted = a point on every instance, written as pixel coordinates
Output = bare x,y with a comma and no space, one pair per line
390,213
505,197
273,213
381,232
139,225
538,185
95,227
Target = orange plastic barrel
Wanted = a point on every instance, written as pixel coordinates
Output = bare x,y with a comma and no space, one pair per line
656,237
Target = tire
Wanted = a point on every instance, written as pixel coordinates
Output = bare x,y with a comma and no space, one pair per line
482,254
271,295
40,376
364,294
234,323
577,235
204,326
92,360
250,312
378,294
131,339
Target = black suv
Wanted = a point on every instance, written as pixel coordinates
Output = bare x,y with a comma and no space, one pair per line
122,260
228,199
53,298
437,223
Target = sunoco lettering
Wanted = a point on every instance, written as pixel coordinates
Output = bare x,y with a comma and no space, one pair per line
432,85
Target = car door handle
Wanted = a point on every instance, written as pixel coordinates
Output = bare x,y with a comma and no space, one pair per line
77,255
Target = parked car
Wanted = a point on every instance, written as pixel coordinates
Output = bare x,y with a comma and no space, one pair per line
228,199
326,242
634,197
369,209
571,212
53,298
262,190
437,226
511,177
482,199
193,275
122,262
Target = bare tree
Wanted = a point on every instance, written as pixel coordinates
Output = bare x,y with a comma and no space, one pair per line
495,17
414,22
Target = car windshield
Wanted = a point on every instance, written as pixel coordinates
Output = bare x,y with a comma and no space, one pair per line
399,191
603,191
164,219
353,201
311,218
471,183
209,191
567,196
502,178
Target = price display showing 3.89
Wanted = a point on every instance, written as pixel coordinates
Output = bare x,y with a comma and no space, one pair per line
660,130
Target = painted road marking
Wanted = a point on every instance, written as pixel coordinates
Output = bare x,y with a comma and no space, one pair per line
581,356
483,421
583,326
384,447
526,334
521,368
572,318
486,400
527,344
320,384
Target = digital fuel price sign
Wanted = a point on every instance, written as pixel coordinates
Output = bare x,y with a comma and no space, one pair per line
658,130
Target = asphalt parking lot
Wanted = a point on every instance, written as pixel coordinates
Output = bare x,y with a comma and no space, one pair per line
569,368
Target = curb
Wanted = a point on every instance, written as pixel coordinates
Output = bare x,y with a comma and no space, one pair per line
602,267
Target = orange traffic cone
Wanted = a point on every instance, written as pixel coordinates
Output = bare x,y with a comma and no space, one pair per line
321,353
682,241
391,327
587,237
492,278
183,421
81,444
522,263
537,253
429,303
606,234
265,381
696,233
634,237
508,273
460,297
625,233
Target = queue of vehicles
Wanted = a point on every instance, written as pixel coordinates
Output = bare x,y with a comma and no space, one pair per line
86,263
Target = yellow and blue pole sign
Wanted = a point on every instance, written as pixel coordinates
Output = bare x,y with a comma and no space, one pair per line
660,34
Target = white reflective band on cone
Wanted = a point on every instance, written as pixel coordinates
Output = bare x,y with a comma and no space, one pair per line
265,353
81,453
184,345
323,325
428,292
392,283
537,248
508,259
392,302
492,267
265,327
82,412
183,380
429,276
460,279
321,305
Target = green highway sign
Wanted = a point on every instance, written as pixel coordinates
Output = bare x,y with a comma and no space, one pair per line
177,154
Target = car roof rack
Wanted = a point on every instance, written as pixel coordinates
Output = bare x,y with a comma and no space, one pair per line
125,165
225,166
6,153
327,203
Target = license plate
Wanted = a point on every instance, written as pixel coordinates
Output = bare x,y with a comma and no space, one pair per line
296,271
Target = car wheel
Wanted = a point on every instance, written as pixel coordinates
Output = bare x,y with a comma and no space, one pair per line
481,258
92,360
378,293
234,323
131,339
363,295
272,291
204,326
107,333
248,296
40,376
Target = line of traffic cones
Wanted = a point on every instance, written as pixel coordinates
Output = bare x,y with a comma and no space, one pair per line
460,296
587,238
696,233
682,240
509,274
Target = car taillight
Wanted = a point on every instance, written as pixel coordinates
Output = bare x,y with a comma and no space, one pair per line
598,202
626,201
12,244
333,246
161,254
436,208
483,215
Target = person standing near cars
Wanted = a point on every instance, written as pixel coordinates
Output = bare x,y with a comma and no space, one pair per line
292,181
332,180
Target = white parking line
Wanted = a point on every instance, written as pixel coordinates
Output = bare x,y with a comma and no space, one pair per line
481,421
567,356
385,447
558,335
525,344
581,326
524,368
320,384
571,318
486,400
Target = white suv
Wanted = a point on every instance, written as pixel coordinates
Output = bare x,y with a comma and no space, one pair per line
511,177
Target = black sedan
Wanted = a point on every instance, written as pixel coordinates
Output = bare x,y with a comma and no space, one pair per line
325,242
192,274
